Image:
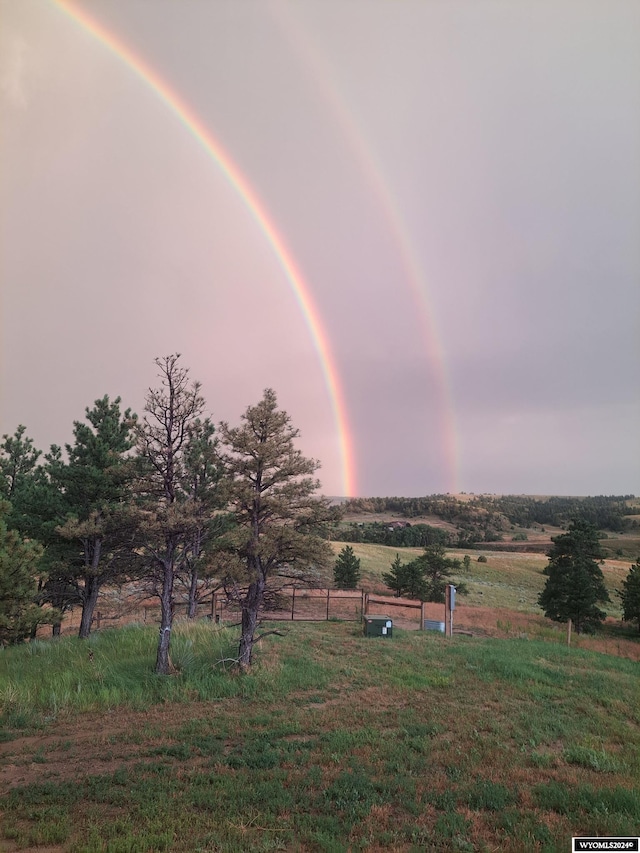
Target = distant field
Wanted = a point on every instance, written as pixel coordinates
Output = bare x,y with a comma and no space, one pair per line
383,517
507,580
628,544
538,537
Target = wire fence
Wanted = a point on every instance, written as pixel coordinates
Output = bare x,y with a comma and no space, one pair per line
296,604
293,604
315,605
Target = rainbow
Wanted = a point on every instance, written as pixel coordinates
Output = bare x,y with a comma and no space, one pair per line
257,211
310,58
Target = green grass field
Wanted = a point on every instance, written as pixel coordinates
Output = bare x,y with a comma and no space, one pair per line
334,742
508,580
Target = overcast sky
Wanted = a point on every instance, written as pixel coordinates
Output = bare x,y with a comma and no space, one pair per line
458,182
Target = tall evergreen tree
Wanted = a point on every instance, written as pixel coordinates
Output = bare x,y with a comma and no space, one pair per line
278,519
346,570
575,583
630,594
95,483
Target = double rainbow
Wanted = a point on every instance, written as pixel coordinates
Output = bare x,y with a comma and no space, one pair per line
258,212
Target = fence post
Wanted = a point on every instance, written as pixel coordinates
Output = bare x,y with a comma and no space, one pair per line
328,594
422,615
293,604
569,632
366,603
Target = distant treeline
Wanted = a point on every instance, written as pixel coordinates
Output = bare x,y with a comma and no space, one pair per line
489,512
379,533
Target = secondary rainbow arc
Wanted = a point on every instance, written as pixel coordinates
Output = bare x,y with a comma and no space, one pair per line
257,211
310,58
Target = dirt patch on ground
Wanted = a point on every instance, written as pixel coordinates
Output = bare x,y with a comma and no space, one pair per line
76,746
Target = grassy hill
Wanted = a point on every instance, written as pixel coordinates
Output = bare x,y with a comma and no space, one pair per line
502,740
333,742
507,522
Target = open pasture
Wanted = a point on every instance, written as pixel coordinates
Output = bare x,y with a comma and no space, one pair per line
510,580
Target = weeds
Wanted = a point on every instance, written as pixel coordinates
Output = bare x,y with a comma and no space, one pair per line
596,760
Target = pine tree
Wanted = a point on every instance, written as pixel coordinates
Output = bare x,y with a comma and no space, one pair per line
406,579
19,560
95,484
346,571
201,486
168,521
393,578
38,508
278,518
437,570
424,578
18,459
630,594
575,583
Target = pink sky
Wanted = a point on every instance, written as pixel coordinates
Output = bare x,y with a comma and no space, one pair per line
458,183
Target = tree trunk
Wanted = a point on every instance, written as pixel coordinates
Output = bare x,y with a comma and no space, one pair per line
166,620
91,590
34,630
193,595
192,611
249,624
250,609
